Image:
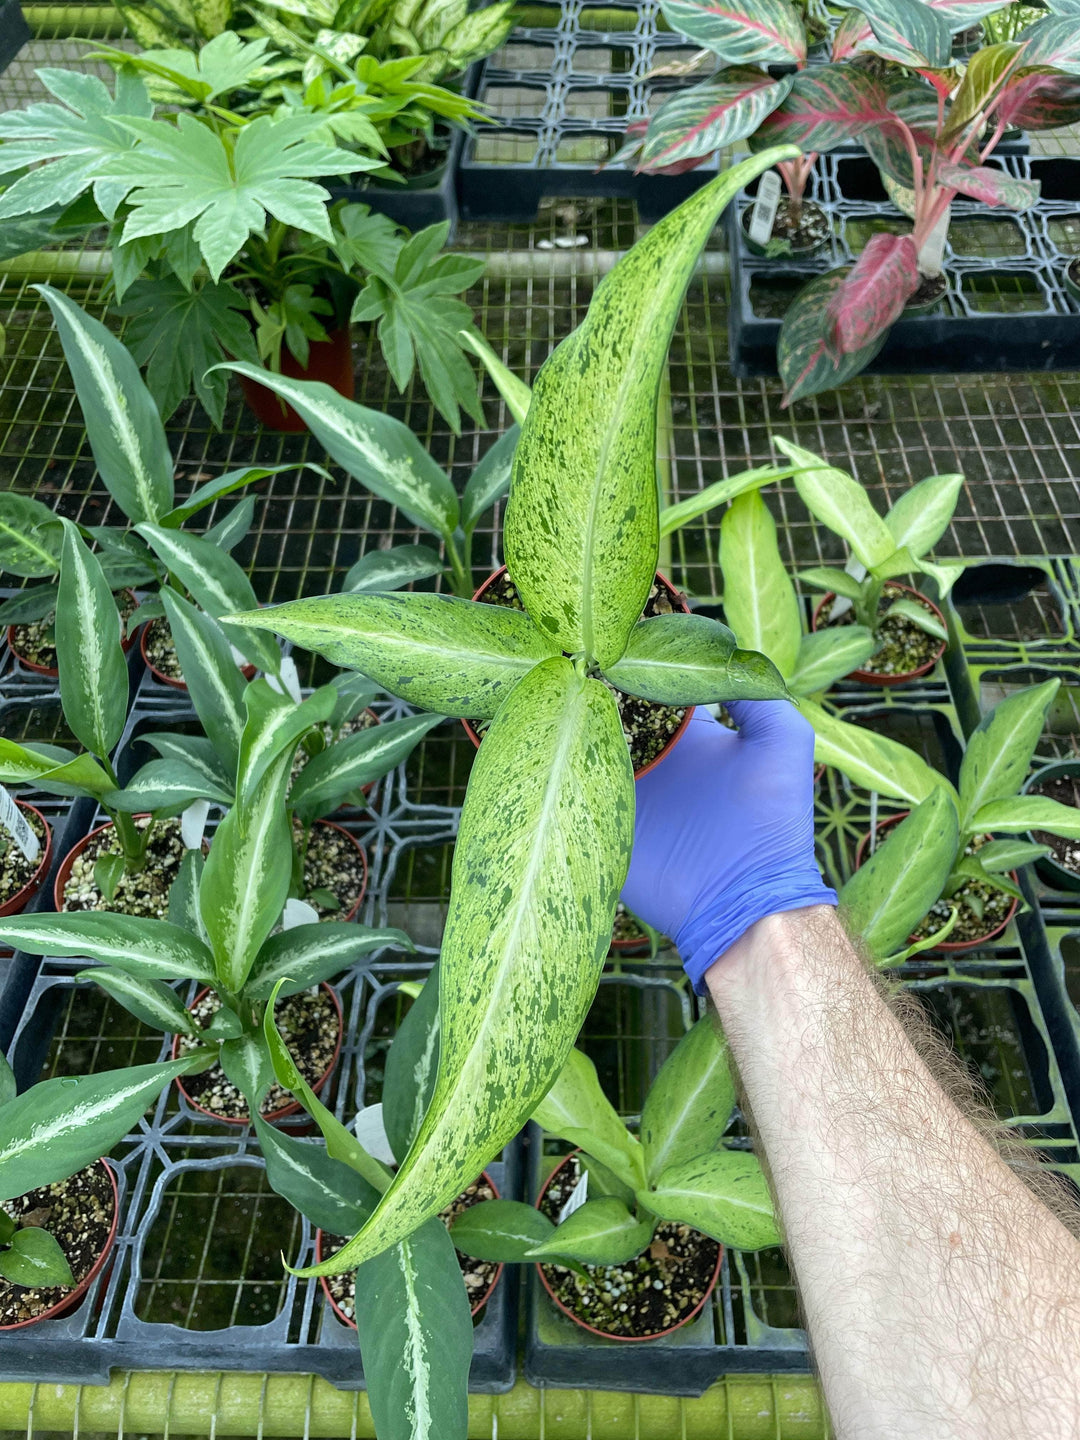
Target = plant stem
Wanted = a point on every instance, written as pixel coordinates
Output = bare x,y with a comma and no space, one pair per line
460,581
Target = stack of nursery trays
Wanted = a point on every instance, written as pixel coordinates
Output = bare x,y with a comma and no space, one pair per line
1007,307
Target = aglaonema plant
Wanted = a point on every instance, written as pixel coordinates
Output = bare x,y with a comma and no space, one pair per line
547,822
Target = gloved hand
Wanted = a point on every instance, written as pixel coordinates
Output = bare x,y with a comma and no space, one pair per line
724,833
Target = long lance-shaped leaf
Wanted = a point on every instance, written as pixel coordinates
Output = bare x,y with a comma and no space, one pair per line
582,530
999,752
922,514
1027,812
501,1230
689,1105
490,480
30,539
576,1109
519,968
452,656
1055,42
697,122
600,1232
150,949
841,503
89,656
909,32
674,517
326,1192
411,1068
873,294
121,419
722,1194
307,954
63,1125
216,583
985,74
275,724
828,655
391,569
168,785
214,683
894,889
991,186
379,451
511,387
226,484
692,660
150,1001
354,762
741,32
803,357
78,775
760,603
824,108
872,761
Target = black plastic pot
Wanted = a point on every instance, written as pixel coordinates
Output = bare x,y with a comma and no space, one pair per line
14,31
1049,870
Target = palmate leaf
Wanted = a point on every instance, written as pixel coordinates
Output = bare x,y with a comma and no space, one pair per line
184,172
803,358
554,822
224,64
695,123
741,32
873,294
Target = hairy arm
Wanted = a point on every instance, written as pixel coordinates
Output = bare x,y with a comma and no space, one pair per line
942,1298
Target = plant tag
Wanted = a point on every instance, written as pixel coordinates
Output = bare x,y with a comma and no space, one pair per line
576,1198
291,680
15,823
298,912
193,823
763,215
933,251
370,1130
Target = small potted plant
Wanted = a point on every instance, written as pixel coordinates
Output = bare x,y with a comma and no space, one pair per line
628,1234
25,853
1059,781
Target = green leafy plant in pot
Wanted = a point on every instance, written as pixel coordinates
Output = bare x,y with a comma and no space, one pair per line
549,808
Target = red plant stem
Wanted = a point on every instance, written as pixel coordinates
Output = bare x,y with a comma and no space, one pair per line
916,167
991,144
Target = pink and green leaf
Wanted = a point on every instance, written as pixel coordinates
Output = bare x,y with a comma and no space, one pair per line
855,33
803,358
1040,101
741,32
986,75
990,185
695,123
826,107
873,295
907,31
1054,41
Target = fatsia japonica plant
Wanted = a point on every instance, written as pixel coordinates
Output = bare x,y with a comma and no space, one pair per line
547,823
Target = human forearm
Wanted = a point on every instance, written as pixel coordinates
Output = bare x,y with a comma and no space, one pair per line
943,1300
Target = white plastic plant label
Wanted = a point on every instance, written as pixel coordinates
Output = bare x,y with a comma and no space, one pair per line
576,1198
933,251
370,1130
193,823
763,215
298,912
15,823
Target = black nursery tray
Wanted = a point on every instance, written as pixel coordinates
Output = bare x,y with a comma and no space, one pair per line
14,32
1006,308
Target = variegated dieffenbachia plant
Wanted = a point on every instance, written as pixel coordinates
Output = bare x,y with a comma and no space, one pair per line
547,823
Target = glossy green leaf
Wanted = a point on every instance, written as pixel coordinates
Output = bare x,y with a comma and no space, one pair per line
122,423
970,867
307,954
998,755
841,503
34,1258
513,390
26,765
692,660
689,1105
1003,855
1024,812
184,898
226,484
804,357
501,1230
919,616
895,887
922,514
411,1068
149,949
828,655
245,1060
327,1193
722,1194
214,683
674,517
554,823
349,764
577,1110
150,1001
194,751
452,656
490,480
391,569
873,761
355,694
274,727
30,540
168,785
827,577
62,1125
582,529
600,1232
8,1087
760,603
89,656
36,602
379,451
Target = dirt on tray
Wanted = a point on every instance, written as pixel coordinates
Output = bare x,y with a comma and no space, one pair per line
78,1213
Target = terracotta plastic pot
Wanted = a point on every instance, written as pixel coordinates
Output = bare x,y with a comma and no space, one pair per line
126,643
866,677
248,671
1051,871
604,1334
294,1107
22,898
477,1307
70,1301
679,604
329,360
949,947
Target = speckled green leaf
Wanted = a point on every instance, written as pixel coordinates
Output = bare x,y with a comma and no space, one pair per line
828,655
89,656
872,761
577,1110
998,754
921,515
379,451
1027,812
542,851
582,528
760,603
357,760
692,660
452,656
689,1105
151,949
722,1194
600,1232
841,503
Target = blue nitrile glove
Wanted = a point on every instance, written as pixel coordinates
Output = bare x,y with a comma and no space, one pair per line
725,831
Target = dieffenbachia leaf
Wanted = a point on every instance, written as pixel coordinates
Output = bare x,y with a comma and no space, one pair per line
379,451
33,1257
89,656
674,517
582,529
919,616
806,364
695,123
692,660
454,657
760,603
521,960
490,480
990,185
722,1193
30,538
307,954
741,32
411,1068
391,569
841,503
872,761
149,949
168,785
327,1193
274,727
246,1064
1026,812
60,1126
998,754
577,1110
75,775
873,294
828,655
600,1232
689,1105
922,514
501,1230
226,484
214,683
122,423
1003,855
896,886
358,760
150,1001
